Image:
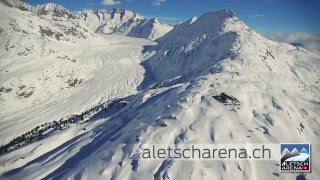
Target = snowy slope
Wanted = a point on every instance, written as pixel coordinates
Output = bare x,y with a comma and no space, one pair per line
52,78
277,85
204,42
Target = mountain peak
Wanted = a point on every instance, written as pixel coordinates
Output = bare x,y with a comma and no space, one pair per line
303,150
52,8
221,14
226,13
121,13
154,20
118,10
295,152
208,23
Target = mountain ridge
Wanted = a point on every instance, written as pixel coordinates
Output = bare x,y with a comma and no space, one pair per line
114,21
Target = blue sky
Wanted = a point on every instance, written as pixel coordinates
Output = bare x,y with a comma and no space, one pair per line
264,16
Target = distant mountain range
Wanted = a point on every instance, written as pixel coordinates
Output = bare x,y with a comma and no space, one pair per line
116,21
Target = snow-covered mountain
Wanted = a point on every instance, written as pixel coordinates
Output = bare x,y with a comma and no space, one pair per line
117,21
147,93
55,39
47,64
206,39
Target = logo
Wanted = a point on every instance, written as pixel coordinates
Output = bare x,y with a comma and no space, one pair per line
295,158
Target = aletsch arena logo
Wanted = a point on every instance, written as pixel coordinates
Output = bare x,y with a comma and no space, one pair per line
295,158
